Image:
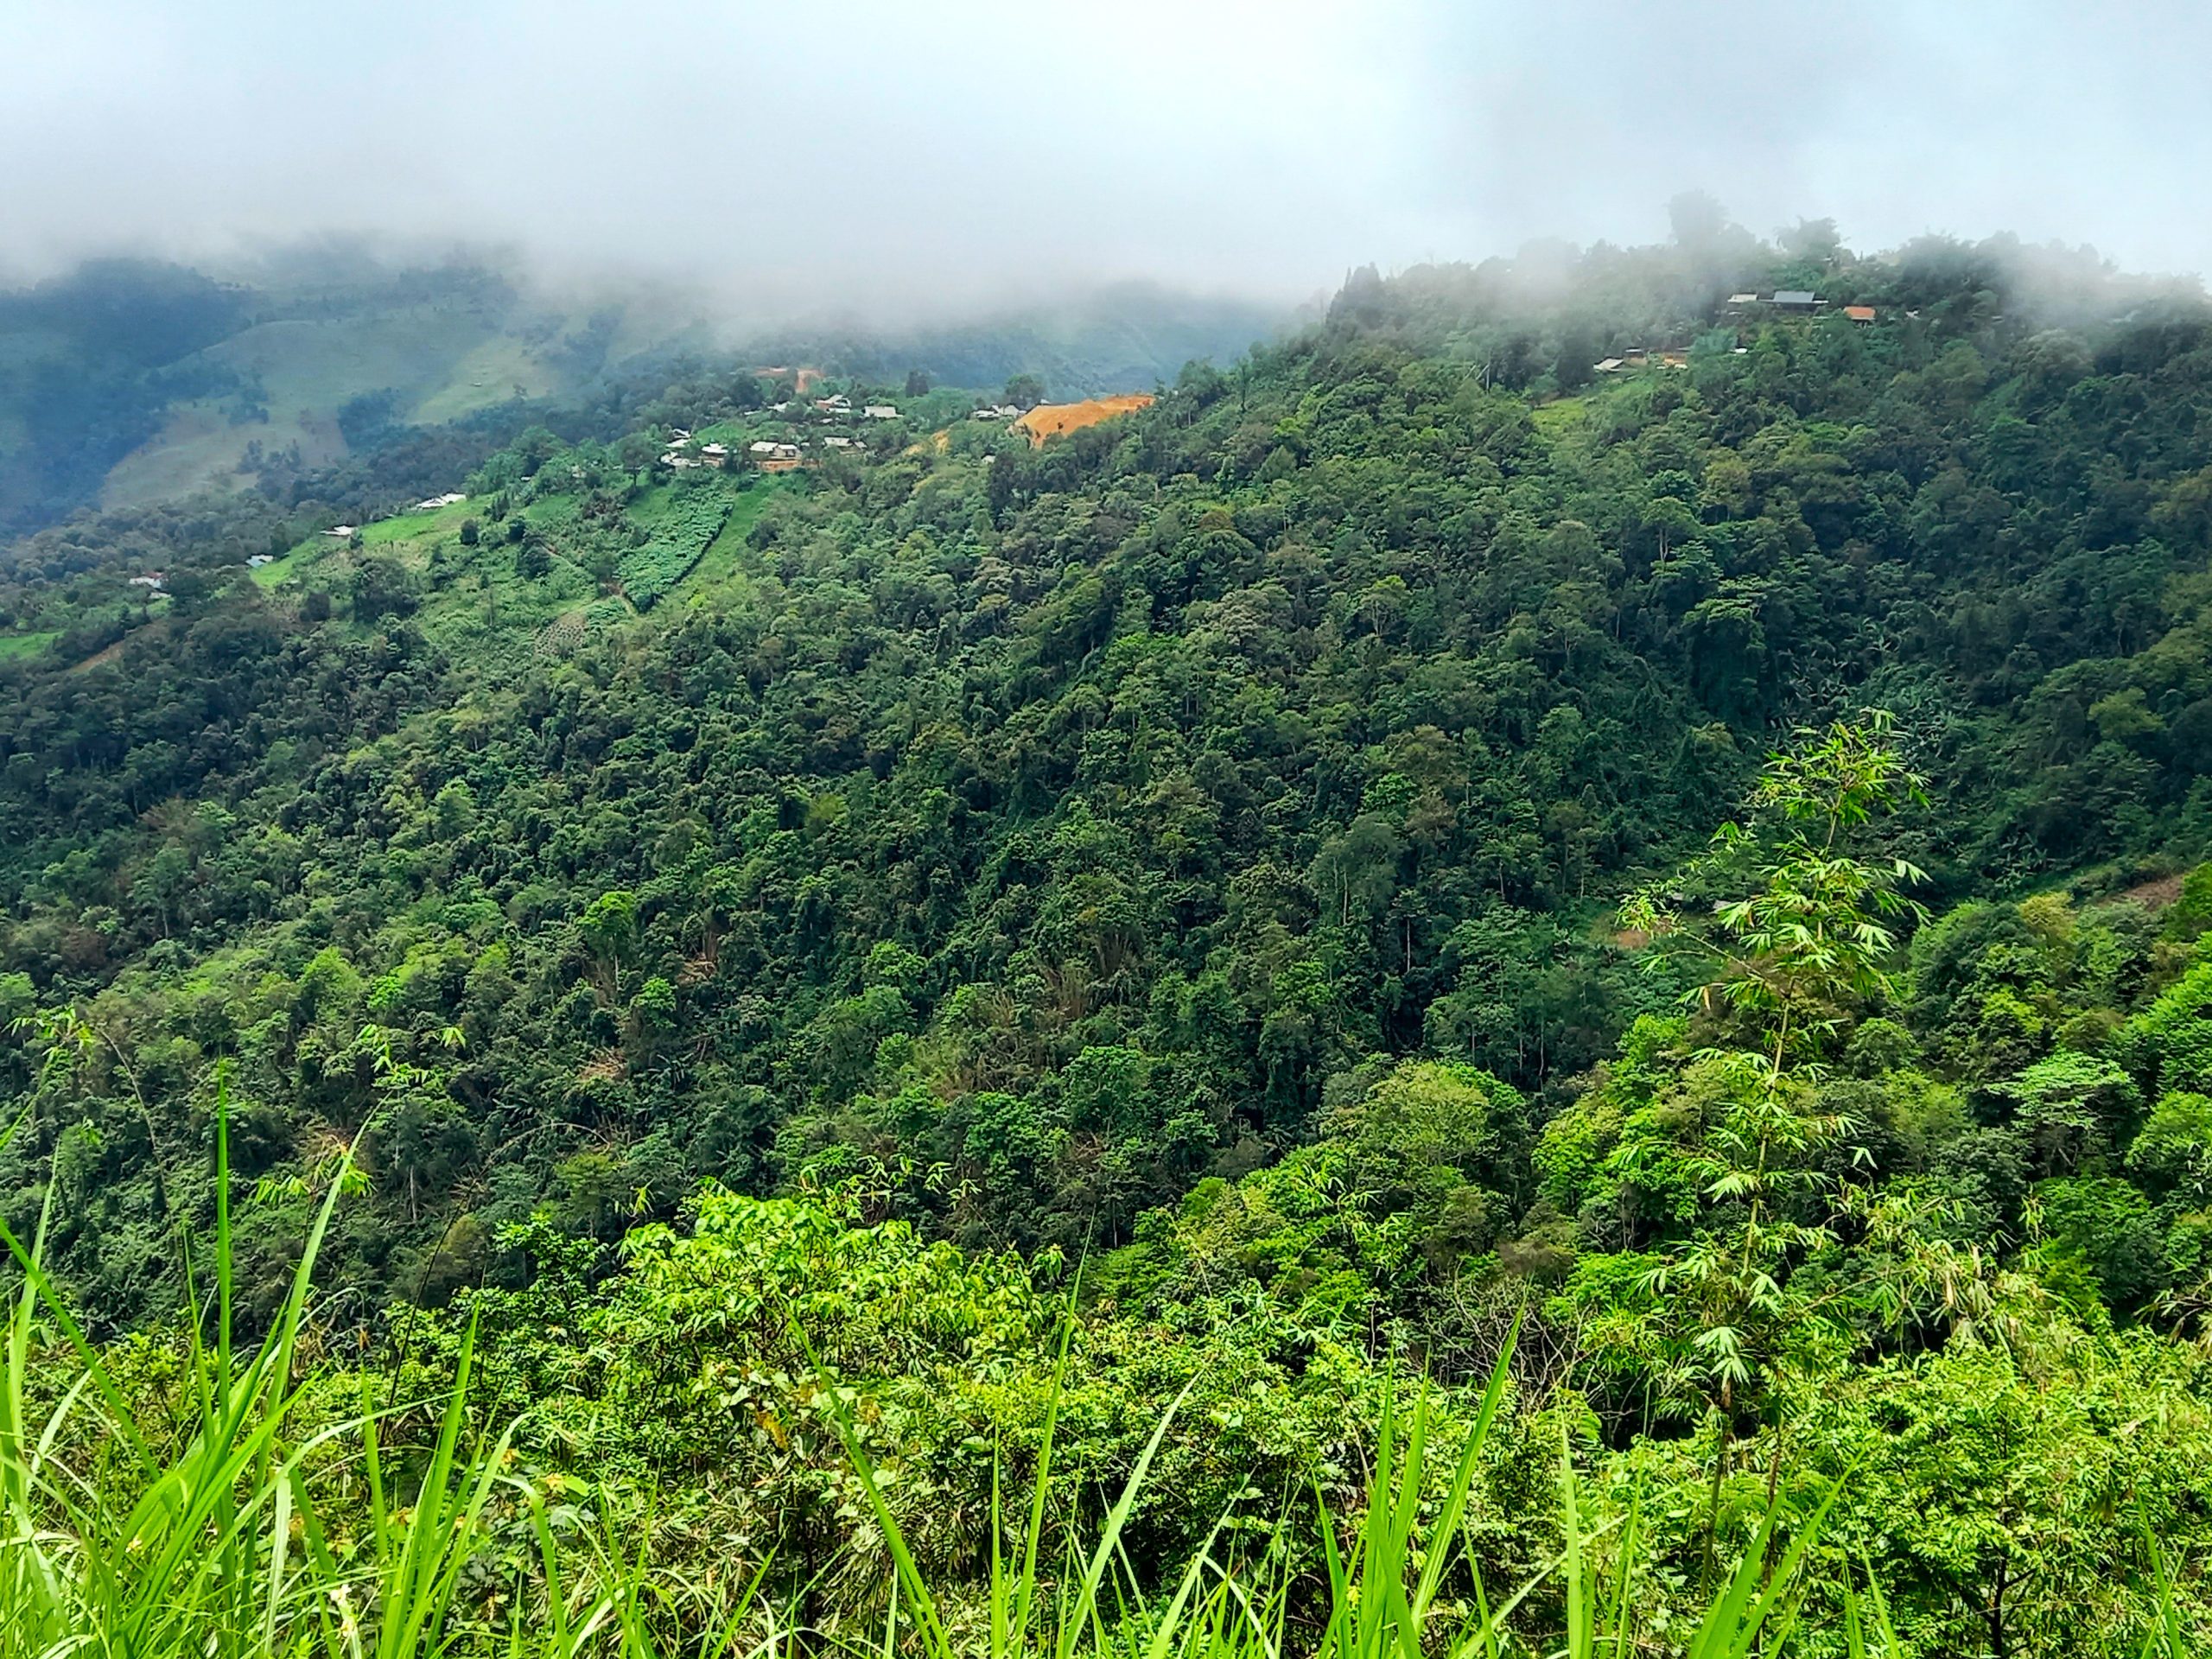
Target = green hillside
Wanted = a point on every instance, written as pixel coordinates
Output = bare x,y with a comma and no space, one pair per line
1536,962
129,384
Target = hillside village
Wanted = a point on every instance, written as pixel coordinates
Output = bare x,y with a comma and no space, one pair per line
790,420
1740,311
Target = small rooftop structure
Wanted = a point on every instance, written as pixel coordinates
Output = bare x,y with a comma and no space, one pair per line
258,560
838,442
431,504
1608,366
340,531
1859,313
882,411
1743,299
717,450
1795,299
760,446
152,579
833,404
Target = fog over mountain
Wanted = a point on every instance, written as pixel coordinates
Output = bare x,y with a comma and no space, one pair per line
799,158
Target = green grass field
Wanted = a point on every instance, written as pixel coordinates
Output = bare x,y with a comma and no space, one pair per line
476,605
1560,416
14,645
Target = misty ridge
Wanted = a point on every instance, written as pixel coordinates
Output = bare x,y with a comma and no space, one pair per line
132,380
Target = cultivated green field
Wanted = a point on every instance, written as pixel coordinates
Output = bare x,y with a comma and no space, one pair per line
476,603
25,644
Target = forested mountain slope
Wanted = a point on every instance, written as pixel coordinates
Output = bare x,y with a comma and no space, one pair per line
1311,714
1196,844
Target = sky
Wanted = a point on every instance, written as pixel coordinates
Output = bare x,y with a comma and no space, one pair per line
826,153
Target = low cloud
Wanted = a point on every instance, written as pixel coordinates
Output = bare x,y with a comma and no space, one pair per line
905,159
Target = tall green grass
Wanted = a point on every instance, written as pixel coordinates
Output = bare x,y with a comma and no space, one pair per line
257,1523
209,1541
1400,1584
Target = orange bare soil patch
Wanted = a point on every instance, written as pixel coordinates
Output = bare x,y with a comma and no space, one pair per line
804,379
1050,420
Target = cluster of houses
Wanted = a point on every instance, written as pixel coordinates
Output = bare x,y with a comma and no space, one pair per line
771,456
1793,301
837,406
1787,301
684,451
1638,356
782,454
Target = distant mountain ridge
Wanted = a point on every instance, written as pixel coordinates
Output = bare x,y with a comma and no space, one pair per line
1123,338
127,382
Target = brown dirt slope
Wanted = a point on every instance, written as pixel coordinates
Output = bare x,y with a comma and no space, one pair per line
1050,420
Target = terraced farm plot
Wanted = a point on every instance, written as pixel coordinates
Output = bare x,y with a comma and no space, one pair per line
677,541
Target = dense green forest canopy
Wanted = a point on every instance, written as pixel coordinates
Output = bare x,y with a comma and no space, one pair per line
1259,848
